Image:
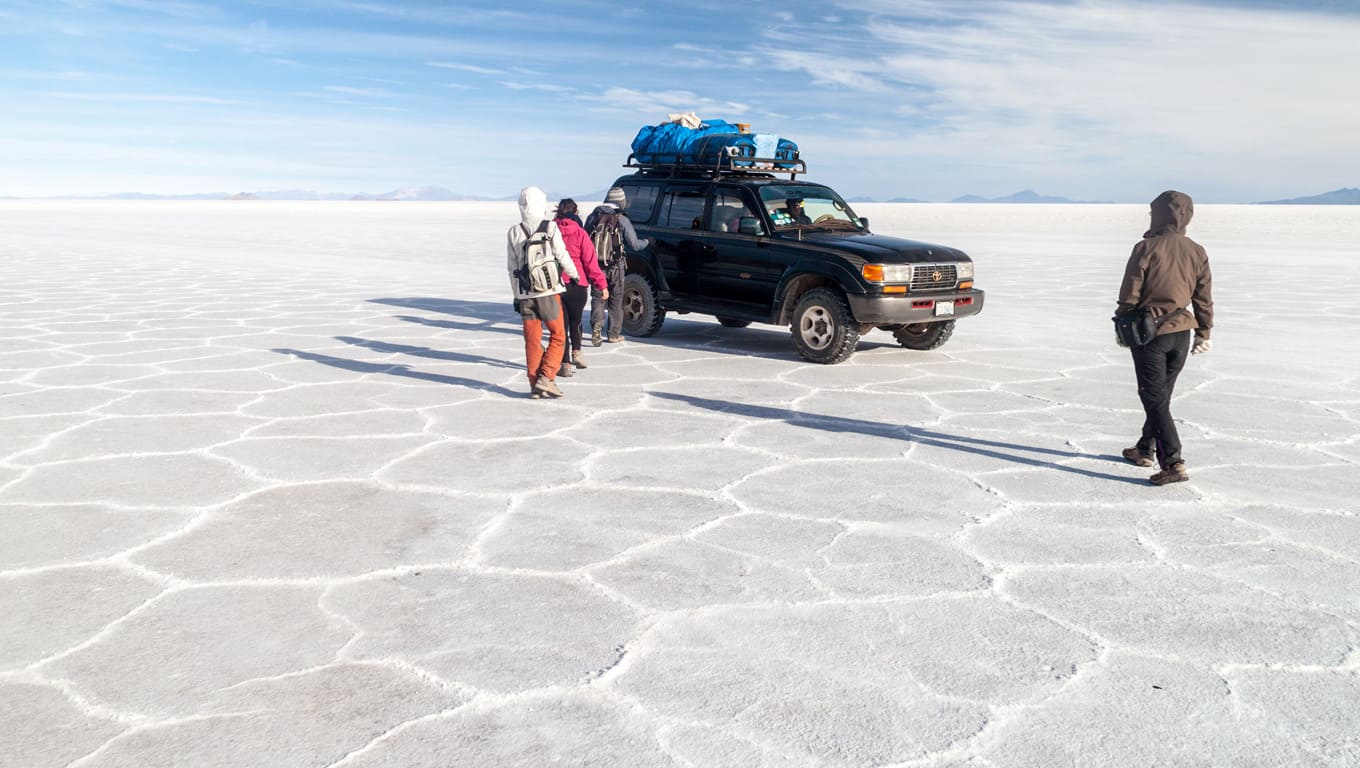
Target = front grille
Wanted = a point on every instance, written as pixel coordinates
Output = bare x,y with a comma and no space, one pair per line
926,277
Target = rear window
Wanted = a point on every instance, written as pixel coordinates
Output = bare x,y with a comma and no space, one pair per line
681,208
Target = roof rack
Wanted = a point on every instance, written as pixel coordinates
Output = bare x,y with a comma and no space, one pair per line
728,163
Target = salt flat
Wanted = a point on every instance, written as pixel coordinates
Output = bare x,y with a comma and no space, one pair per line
272,494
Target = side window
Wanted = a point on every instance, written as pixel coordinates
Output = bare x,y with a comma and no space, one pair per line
681,208
729,206
639,202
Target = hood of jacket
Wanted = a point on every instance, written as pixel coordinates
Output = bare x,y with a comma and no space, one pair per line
1171,212
533,207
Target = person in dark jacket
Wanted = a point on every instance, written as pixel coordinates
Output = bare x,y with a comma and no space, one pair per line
1166,273
614,273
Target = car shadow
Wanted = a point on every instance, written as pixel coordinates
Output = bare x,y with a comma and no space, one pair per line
1011,452
396,369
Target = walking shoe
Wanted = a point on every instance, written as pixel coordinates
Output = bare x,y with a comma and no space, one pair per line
577,361
1137,457
565,371
1173,474
547,387
615,339
595,337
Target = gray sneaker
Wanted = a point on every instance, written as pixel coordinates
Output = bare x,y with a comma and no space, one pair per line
547,387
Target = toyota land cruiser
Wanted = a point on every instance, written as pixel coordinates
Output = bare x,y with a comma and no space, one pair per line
745,245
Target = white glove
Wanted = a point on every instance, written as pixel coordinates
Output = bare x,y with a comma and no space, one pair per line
1201,345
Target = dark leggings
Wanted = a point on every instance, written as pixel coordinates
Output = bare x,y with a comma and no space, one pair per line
574,300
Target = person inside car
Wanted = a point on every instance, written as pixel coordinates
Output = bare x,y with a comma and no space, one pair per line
794,208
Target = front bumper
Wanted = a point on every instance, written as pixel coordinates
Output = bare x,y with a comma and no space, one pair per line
908,309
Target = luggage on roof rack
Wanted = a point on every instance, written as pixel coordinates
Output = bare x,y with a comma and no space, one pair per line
716,146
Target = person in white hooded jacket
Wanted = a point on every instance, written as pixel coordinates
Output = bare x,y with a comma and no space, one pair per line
537,310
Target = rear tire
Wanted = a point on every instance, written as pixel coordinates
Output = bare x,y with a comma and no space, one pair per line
924,335
642,313
732,322
823,329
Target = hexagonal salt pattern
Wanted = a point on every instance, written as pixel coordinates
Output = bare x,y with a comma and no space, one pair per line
272,492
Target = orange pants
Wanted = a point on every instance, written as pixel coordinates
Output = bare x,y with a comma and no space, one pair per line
541,362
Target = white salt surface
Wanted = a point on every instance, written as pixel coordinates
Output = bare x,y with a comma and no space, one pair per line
272,493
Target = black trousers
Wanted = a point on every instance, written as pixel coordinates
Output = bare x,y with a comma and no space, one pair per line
574,300
1157,364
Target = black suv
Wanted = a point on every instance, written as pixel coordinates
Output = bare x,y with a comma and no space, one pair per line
746,245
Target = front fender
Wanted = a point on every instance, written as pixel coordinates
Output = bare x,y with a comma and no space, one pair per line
802,275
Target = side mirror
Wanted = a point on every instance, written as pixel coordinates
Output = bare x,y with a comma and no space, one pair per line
863,222
749,225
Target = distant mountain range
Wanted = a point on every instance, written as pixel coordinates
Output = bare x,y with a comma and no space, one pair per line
1023,196
1343,196
408,193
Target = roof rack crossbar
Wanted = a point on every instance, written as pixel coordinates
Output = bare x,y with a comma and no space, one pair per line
725,165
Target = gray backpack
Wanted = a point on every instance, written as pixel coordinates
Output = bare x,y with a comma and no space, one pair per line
538,269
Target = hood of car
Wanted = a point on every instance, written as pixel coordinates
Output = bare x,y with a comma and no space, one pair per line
881,248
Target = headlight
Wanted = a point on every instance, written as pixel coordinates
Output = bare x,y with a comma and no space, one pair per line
965,270
887,273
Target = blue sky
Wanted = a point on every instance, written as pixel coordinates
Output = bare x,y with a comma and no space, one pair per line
1092,100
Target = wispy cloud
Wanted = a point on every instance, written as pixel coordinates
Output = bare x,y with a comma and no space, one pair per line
466,68
350,90
657,104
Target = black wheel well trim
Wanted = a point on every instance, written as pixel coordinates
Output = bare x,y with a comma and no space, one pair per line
800,279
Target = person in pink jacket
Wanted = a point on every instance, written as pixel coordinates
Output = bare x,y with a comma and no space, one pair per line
582,252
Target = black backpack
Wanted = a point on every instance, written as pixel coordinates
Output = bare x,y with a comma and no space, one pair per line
607,235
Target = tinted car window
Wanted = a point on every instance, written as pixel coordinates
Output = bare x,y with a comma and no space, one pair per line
681,208
639,201
729,205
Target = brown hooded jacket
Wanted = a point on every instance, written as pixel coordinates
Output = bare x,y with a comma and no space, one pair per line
1168,271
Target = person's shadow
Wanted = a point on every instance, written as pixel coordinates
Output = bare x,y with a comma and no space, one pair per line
991,448
433,354
496,317
395,369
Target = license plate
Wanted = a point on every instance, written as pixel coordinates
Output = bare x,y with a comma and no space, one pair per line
944,308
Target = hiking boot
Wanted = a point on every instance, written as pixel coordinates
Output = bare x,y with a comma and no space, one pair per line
1137,457
565,371
615,339
1173,474
577,361
547,387
595,337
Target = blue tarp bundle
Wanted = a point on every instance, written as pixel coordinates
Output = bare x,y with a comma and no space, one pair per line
707,144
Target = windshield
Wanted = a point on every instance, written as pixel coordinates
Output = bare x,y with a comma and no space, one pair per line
806,205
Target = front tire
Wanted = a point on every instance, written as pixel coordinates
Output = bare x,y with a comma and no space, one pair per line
924,335
823,329
642,313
